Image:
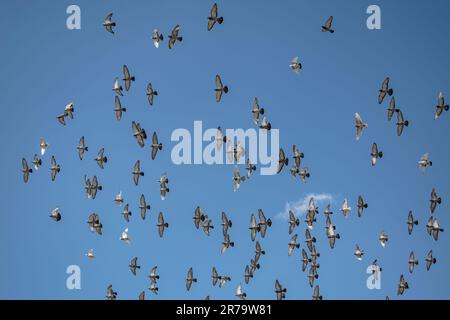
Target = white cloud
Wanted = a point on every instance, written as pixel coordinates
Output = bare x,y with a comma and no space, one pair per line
300,206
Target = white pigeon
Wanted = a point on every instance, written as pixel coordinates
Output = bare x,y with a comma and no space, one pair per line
125,237
90,254
44,145
239,293
119,199
345,208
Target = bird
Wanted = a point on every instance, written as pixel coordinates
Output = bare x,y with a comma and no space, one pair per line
82,148
43,145
235,152
101,159
110,293
190,279
220,138
304,173
222,279
142,295
126,213
139,133
392,108
312,276
161,224
297,156
109,24
95,186
293,221
207,225
125,237
328,211
254,227
361,205
295,65
401,123
90,254
119,199
376,269
383,239
151,94
226,223
282,160
226,243
36,162
118,109
69,109
220,88
316,295
345,209
429,226
56,215
425,162
249,167
412,262
127,77
117,88
436,229
385,90
305,260
402,286
213,17
247,274
55,168
375,154
430,259
263,223
258,251
239,293
279,291
153,275
256,111
25,170
198,217
237,179
411,222
265,125
153,288
155,145
137,172
332,236
173,37
163,189
327,26
61,119
94,223
309,240
143,206
434,201
360,126
157,37
133,265
293,244
441,106
359,253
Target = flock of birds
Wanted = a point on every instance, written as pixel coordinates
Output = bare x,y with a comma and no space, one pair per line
235,152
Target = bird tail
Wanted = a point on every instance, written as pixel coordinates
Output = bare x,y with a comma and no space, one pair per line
390,92
225,89
380,154
220,20
180,38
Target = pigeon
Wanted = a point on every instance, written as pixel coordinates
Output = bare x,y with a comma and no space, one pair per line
88,187
163,189
312,276
258,251
411,222
293,244
328,211
117,87
118,109
327,26
249,167
295,65
309,240
254,227
151,93
173,37
312,209
279,290
220,138
263,223
297,156
361,205
441,106
310,219
61,119
235,152
303,174
305,260
239,293
392,108
293,221
375,154
430,259
124,236
119,199
282,160
95,187
383,239
155,145
345,209
81,148
220,88
222,279
133,265
55,168
43,145
402,286
424,162
206,225
226,223
161,224
142,295
430,226
213,17
265,125
137,172
332,236
254,265
384,91
90,254
226,243
110,293
401,123
69,109
94,223
376,269
190,278
101,159
256,111
36,162
215,276
126,213
412,262
153,275
237,179
143,206
55,215
25,170
157,37
316,295
109,24
247,275
153,288
199,216
360,126
436,229
127,78
359,253
434,201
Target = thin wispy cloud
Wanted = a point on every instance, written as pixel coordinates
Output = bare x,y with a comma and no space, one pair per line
300,206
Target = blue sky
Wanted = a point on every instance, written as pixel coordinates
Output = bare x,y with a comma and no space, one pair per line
45,66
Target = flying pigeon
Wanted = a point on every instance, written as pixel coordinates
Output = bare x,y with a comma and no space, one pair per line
424,162
297,156
295,65
316,295
155,145
126,213
384,91
249,167
55,215
237,179
220,88
137,172
293,244
265,125
118,109
190,278
430,259
119,199
359,253
226,223
220,138
436,229
247,275
256,111
153,275
392,108
345,209
55,168
293,221
375,154
110,293
309,240
412,262
206,225
124,236
44,145
226,243
25,170
36,162
402,286
151,93
305,260
279,290
239,293
173,37
90,254
360,126
161,224
163,189
133,265
81,148
156,37
327,26
101,159
411,222
235,152
282,160
117,87
143,206
213,17
127,78
94,223
441,106
401,123
434,201
254,227
263,223
383,239
109,24
361,205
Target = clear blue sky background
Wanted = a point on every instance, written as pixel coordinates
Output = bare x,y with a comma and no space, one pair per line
45,66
